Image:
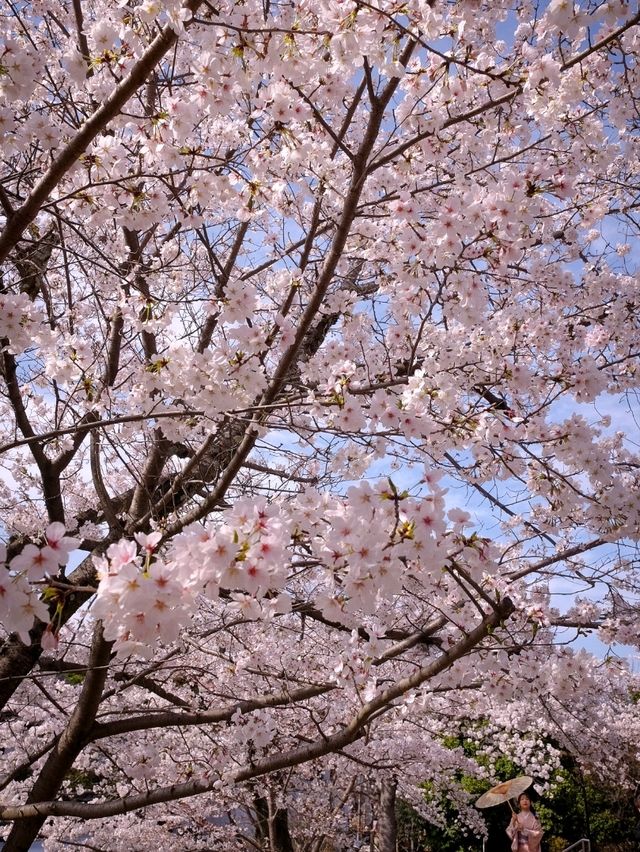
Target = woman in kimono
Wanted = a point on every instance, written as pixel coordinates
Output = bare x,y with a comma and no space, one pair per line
524,829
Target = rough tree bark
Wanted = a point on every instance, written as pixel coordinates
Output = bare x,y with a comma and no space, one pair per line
387,832
68,746
272,825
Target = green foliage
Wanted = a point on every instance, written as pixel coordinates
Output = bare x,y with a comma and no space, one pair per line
73,678
81,779
413,831
576,807
582,807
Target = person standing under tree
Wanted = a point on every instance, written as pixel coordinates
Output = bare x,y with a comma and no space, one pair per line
524,829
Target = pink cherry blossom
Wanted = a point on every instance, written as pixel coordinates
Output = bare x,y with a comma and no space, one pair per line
319,378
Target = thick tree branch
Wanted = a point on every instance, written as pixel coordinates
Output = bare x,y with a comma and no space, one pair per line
170,718
324,745
68,746
100,119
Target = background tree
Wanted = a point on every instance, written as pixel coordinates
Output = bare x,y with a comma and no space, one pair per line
572,808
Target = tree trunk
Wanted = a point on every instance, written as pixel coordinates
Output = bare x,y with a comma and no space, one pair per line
68,746
272,826
387,824
281,839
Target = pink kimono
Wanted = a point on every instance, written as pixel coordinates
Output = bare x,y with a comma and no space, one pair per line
526,834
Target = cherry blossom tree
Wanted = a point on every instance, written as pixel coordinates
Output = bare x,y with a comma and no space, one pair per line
319,357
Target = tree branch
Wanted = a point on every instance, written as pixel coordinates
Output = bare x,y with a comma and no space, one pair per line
70,154
349,734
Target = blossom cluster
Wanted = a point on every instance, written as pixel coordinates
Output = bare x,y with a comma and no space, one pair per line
20,600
